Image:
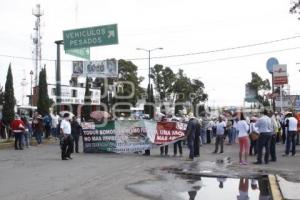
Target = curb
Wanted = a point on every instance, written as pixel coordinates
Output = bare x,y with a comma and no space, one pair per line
275,189
10,144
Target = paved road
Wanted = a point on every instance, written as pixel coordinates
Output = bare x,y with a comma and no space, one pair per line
38,173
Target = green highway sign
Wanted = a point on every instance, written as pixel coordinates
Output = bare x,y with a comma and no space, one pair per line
81,53
89,37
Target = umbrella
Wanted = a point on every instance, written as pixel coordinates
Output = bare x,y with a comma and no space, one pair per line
63,112
98,115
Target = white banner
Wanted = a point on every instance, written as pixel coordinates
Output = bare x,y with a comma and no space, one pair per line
279,70
100,68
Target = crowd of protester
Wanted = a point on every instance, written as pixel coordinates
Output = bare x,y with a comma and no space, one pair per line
25,130
254,133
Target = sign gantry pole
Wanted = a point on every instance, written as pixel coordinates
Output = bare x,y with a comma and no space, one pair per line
58,77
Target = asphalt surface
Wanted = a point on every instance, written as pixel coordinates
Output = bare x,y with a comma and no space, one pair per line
38,173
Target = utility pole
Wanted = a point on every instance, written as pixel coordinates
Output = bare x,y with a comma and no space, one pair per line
58,78
149,71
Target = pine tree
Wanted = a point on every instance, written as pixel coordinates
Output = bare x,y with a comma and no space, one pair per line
1,95
43,102
8,111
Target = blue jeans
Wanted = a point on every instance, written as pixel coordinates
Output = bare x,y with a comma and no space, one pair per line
291,139
54,132
38,136
233,135
263,141
26,138
18,140
203,136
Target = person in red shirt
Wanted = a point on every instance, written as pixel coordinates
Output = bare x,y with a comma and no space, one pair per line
18,128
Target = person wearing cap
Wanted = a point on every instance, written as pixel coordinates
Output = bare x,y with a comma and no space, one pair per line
38,128
264,126
18,128
191,134
220,131
67,146
27,132
291,124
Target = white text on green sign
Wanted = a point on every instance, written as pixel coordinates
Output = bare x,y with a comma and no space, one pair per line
92,36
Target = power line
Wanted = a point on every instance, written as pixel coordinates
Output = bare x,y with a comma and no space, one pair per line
221,50
177,55
234,57
23,58
228,58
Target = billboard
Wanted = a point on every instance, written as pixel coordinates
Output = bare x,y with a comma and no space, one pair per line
280,75
100,68
250,94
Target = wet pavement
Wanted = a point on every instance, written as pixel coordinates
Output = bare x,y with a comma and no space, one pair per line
205,180
39,173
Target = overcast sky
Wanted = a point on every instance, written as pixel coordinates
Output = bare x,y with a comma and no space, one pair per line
179,26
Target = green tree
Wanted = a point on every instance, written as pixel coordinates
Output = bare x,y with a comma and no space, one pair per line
128,72
188,91
164,79
43,101
182,90
1,95
259,85
295,7
105,99
198,96
86,110
8,111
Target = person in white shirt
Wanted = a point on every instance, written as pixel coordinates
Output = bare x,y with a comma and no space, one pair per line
264,126
243,136
54,125
220,126
291,124
67,145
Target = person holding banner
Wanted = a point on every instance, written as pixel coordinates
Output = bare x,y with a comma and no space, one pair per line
177,144
164,149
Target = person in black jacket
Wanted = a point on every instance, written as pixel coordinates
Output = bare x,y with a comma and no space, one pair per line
75,131
192,128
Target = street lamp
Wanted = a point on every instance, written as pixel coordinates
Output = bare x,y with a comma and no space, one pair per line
31,97
149,57
58,77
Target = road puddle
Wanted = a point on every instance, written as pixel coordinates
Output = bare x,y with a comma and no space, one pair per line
227,189
172,183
